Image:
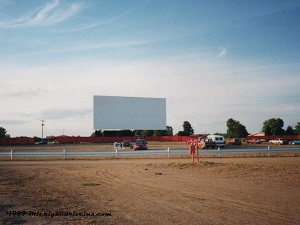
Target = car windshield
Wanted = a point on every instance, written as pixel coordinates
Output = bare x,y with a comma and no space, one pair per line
140,142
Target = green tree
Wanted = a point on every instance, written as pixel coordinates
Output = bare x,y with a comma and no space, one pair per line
182,133
169,131
144,132
235,129
157,133
268,131
289,131
187,129
275,125
3,132
297,128
137,132
97,133
242,131
127,133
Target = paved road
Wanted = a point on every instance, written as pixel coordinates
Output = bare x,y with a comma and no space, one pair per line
147,152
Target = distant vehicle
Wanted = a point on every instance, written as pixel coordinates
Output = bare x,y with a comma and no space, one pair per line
295,142
253,141
220,140
279,141
43,142
126,143
206,143
140,144
234,141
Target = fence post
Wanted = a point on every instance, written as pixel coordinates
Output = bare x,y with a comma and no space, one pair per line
64,152
268,150
219,154
116,152
168,152
11,154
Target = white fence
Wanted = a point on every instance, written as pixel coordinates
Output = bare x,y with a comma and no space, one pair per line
167,152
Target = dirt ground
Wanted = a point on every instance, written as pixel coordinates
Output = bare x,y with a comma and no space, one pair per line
250,190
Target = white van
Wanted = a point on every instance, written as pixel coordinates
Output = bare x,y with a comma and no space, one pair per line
220,140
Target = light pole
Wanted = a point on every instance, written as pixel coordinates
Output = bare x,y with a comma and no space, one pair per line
43,129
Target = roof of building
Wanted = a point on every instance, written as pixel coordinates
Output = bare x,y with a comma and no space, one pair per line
260,133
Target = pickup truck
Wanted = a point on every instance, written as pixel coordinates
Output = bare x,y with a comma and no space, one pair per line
279,141
206,143
253,141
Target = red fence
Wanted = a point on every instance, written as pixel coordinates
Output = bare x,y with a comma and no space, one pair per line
267,138
66,139
78,139
17,141
69,139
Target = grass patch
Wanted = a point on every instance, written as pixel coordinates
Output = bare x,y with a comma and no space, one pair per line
209,164
193,165
181,165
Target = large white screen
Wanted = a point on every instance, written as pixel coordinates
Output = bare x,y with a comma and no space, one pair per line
129,113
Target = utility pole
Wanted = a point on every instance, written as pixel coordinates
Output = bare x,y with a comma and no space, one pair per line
43,129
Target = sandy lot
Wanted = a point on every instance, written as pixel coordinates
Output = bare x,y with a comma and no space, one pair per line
257,190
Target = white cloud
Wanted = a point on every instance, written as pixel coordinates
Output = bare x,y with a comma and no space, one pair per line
205,92
86,47
50,14
43,13
222,53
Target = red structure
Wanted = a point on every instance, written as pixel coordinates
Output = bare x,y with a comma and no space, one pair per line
17,141
267,138
78,139
194,149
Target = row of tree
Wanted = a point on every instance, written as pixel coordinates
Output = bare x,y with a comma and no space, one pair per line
235,129
131,133
187,131
273,126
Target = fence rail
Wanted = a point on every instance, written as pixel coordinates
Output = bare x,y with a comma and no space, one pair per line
78,139
167,152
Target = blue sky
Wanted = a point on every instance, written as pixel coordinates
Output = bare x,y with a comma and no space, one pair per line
211,60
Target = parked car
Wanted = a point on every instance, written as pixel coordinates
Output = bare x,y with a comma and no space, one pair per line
140,144
220,140
253,141
43,142
126,143
295,142
206,143
234,141
279,141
